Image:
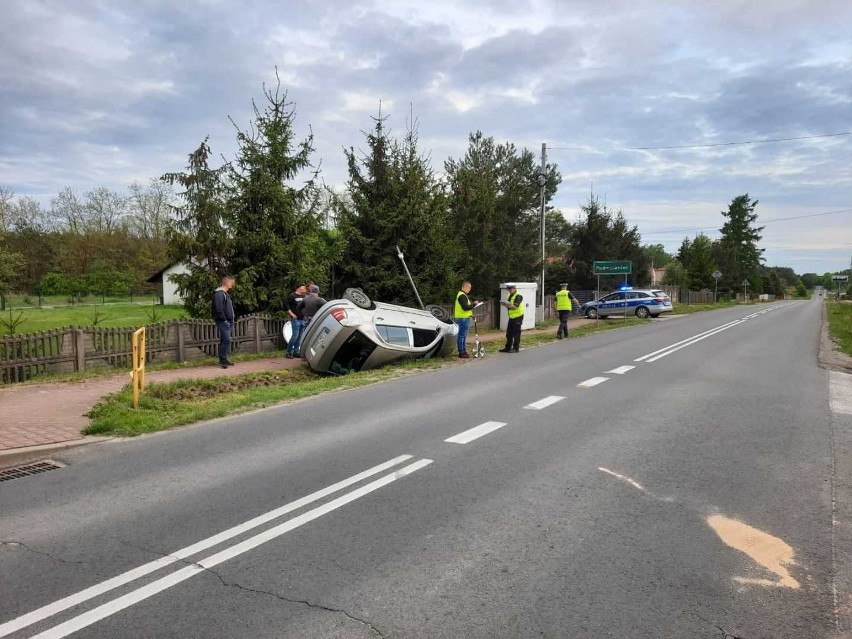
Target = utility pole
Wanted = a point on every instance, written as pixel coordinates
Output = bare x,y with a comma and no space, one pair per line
542,181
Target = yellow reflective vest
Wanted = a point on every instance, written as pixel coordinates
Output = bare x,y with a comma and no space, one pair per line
518,312
460,313
563,300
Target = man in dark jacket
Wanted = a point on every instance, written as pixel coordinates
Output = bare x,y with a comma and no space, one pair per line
297,320
223,315
311,304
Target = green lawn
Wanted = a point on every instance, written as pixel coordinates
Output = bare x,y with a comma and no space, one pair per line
840,324
113,316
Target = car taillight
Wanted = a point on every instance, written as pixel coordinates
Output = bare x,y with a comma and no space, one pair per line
339,314
660,299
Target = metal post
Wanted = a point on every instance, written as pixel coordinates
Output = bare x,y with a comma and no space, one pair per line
410,279
542,182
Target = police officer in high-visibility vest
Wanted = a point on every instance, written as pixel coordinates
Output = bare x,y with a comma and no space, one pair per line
563,307
462,314
514,304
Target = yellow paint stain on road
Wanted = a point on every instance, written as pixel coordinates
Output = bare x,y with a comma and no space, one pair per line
768,551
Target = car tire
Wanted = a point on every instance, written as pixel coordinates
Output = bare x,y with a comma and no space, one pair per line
440,313
359,298
642,312
591,313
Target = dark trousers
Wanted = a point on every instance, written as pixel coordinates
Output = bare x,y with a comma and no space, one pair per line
563,323
224,340
513,333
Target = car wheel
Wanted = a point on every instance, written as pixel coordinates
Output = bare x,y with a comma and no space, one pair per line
642,312
358,297
591,313
440,313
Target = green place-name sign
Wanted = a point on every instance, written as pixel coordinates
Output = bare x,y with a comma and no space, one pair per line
613,267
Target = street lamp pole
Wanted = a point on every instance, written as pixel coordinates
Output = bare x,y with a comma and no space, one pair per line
542,181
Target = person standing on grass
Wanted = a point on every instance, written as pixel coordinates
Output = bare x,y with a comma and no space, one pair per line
223,315
514,304
297,320
462,313
311,304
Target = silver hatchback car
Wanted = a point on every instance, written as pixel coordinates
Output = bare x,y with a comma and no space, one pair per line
355,333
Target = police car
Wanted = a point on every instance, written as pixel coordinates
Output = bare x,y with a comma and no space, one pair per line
643,303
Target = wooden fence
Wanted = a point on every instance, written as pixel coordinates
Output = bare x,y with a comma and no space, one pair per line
70,349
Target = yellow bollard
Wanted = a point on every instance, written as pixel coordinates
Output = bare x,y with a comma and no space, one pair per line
137,373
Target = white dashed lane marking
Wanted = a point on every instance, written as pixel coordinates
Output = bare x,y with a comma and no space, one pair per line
475,433
621,370
544,403
594,381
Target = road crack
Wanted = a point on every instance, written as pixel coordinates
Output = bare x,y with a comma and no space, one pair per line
303,602
20,544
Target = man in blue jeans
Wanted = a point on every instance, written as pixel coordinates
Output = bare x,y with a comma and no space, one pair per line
223,315
297,320
462,313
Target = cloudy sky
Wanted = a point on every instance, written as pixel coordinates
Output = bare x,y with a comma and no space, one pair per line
97,93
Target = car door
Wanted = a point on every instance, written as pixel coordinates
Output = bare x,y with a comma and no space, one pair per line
613,303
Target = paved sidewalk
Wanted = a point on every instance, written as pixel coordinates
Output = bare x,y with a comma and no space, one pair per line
34,415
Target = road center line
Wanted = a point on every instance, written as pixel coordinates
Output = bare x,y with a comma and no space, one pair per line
621,370
544,403
475,433
696,340
684,341
594,381
151,589
132,575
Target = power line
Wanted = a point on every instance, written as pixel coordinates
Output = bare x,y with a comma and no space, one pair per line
778,219
701,146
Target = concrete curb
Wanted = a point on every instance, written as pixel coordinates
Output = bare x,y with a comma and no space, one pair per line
18,456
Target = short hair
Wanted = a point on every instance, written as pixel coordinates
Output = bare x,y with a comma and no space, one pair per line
226,278
465,282
314,288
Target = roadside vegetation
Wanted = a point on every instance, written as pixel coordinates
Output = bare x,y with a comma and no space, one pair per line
37,319
164,406
840,324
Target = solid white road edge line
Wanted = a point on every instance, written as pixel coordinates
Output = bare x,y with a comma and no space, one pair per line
698,339
151,589
544,403
594,381
475,432
621,370
132,575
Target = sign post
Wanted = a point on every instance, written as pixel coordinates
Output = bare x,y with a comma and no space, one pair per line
745,289
613,267
716,275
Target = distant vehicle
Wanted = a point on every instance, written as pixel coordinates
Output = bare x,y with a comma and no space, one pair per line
640,302
356,333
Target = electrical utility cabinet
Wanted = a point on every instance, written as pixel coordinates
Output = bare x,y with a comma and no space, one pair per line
527,290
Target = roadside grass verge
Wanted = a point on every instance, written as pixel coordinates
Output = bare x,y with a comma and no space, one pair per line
840,325
163,406
685,309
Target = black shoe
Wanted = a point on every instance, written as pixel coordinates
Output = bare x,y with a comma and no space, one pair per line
558,337
505,350
229,362
514,350
289,355
222,365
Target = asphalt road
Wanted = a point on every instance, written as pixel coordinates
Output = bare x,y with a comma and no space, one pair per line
693,495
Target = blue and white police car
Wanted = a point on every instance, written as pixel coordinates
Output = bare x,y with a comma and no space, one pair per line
642,302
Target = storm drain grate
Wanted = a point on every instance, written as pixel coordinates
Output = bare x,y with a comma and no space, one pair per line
30,469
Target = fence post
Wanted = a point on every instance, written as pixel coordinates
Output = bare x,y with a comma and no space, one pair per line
79,350
256,334
181,342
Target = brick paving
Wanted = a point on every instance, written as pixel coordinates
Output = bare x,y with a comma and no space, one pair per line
55,412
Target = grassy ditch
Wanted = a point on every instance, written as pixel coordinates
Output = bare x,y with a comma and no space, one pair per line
840,324
164,406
